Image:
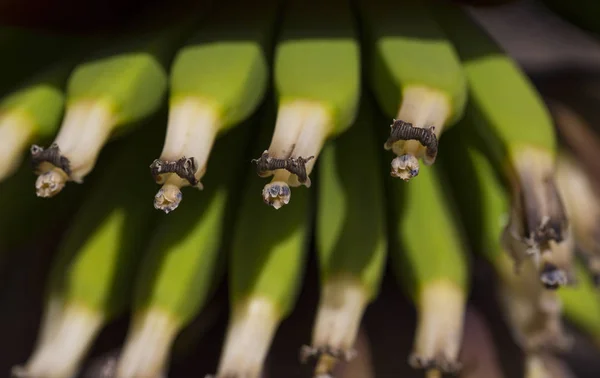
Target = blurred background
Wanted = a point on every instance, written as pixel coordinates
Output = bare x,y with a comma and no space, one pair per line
563,62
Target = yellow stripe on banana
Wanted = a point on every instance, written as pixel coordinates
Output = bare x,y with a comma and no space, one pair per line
91,281
416,76
317,84
429,257
351,240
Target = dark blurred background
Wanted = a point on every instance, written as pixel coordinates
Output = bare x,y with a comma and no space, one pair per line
563,62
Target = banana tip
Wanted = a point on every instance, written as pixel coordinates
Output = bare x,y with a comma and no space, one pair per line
168,198
405,167
276,194
50,183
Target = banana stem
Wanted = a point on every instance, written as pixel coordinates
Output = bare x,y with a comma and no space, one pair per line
148,346
15,132
61,357
421,107
441,309
300,132
85,130
251,330
192,128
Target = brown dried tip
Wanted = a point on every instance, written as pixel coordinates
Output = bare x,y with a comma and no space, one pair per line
439,363
296,166
401,130
327,359
540,230
51,155
185,168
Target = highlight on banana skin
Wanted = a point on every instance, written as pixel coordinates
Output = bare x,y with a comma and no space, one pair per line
373,188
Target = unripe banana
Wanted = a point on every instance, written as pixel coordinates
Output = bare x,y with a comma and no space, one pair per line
184,263
431,264
317,84
265,275
416,76
90,281
107,94
532,312
30,114
351,240
516,130
218,80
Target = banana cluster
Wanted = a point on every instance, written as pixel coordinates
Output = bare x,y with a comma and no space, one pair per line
233,90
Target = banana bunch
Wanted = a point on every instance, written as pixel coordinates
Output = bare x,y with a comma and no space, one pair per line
215,83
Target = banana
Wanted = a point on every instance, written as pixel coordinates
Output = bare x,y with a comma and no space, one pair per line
351,240
114,89
514,125
317,84
184,263
266,267
583,209
532,312
431,264
218,79
31,113
416,76
90,280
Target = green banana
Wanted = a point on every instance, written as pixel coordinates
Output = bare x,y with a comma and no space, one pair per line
265,274
430,262
90,281
514,125
416,76
317,86
184,263
532,312
218,79
351,240
29,114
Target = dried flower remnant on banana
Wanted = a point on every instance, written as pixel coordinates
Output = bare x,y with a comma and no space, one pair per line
406,165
